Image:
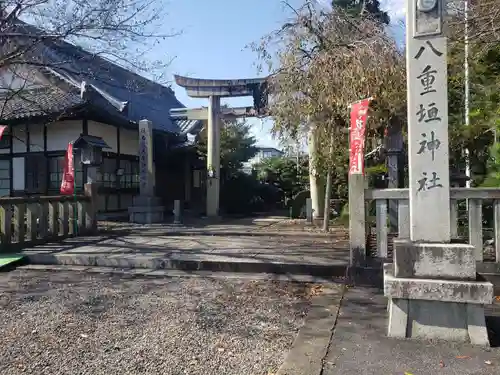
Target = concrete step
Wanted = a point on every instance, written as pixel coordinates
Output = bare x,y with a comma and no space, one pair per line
144,272
189,263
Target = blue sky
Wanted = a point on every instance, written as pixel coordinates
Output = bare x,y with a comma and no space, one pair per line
213,42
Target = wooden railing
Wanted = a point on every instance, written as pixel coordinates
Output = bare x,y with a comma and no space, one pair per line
27,221
475,197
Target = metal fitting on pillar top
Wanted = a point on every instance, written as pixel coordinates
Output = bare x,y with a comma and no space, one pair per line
177,212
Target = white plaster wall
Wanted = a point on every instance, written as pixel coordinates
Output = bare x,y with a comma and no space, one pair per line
18,182
19,139
60,133
129,140
36,137
106,132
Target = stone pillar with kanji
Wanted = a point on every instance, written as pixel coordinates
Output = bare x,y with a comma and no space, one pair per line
146,208
431,285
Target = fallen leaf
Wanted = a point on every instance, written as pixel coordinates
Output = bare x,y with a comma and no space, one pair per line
462,357
441,364
497,298
408,373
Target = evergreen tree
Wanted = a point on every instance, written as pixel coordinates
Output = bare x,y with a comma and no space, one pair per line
237,145
363,7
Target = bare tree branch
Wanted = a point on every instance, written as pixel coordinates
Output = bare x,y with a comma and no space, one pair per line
320,63
121,31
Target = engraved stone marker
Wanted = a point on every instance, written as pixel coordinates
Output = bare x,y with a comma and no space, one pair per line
427,124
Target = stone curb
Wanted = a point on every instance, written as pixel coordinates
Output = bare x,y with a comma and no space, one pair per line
144,272
311,344
186,264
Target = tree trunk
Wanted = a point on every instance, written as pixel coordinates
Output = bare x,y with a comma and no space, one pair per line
328,190
328,193
316,187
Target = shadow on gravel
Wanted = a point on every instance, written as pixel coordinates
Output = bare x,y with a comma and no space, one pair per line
72,322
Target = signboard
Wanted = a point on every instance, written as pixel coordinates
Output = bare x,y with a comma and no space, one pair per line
146,179
143,158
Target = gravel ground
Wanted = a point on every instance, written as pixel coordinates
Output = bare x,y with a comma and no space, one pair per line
76,323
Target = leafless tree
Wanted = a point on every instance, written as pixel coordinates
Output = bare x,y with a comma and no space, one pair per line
483,18
54,34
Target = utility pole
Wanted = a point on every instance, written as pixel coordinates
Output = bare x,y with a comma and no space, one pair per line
467,90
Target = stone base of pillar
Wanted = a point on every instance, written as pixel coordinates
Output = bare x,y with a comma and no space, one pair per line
434,293
213,191
146,210
177,212
309,211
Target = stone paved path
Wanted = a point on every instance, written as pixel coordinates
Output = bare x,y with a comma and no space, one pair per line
271,240
360,347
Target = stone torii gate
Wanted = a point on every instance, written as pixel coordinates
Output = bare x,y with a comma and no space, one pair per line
214,90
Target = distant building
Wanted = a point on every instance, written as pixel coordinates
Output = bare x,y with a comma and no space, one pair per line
262,154
265,153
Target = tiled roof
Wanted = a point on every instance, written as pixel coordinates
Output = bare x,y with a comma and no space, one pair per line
145,99
189,126
37,102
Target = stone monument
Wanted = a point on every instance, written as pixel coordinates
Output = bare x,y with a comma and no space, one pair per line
146,207
432,284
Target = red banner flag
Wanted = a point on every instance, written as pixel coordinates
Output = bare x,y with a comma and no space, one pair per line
68,179
2,130
359,114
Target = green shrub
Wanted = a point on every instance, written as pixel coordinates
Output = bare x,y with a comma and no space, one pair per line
242,194
298,203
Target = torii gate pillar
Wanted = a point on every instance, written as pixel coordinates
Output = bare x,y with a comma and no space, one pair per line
214,90
213,156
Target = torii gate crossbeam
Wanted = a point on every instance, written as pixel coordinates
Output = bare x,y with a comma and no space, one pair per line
214,90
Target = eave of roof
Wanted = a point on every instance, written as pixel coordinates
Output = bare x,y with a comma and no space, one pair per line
117,85
38,102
